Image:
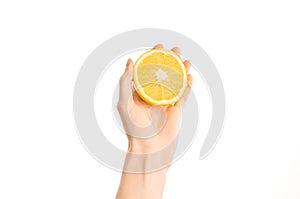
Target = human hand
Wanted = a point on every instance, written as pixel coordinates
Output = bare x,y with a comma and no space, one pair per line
149,128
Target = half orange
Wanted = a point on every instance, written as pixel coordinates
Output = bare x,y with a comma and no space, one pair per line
160,77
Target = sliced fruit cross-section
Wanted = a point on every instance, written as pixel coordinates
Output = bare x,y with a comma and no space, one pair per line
160,77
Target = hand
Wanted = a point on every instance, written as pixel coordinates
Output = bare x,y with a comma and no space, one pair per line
149,128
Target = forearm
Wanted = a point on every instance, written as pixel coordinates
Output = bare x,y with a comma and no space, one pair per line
145,168
142,186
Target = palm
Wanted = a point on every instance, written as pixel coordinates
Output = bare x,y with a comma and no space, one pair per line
162,129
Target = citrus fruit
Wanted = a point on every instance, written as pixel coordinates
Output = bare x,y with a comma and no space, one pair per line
160,77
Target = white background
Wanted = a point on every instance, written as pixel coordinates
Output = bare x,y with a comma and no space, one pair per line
254,44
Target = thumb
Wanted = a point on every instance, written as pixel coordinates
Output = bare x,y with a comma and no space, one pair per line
125,92
129,65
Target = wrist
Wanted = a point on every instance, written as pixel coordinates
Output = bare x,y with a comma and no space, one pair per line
140,147
142,186
143,157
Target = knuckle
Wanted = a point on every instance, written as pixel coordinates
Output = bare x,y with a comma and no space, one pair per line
120,107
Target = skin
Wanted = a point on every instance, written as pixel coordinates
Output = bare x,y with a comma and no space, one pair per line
135,112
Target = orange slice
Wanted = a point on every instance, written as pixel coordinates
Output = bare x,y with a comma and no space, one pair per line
160,77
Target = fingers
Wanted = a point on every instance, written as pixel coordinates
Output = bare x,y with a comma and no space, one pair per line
187,65
176,50
125,92
158,46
